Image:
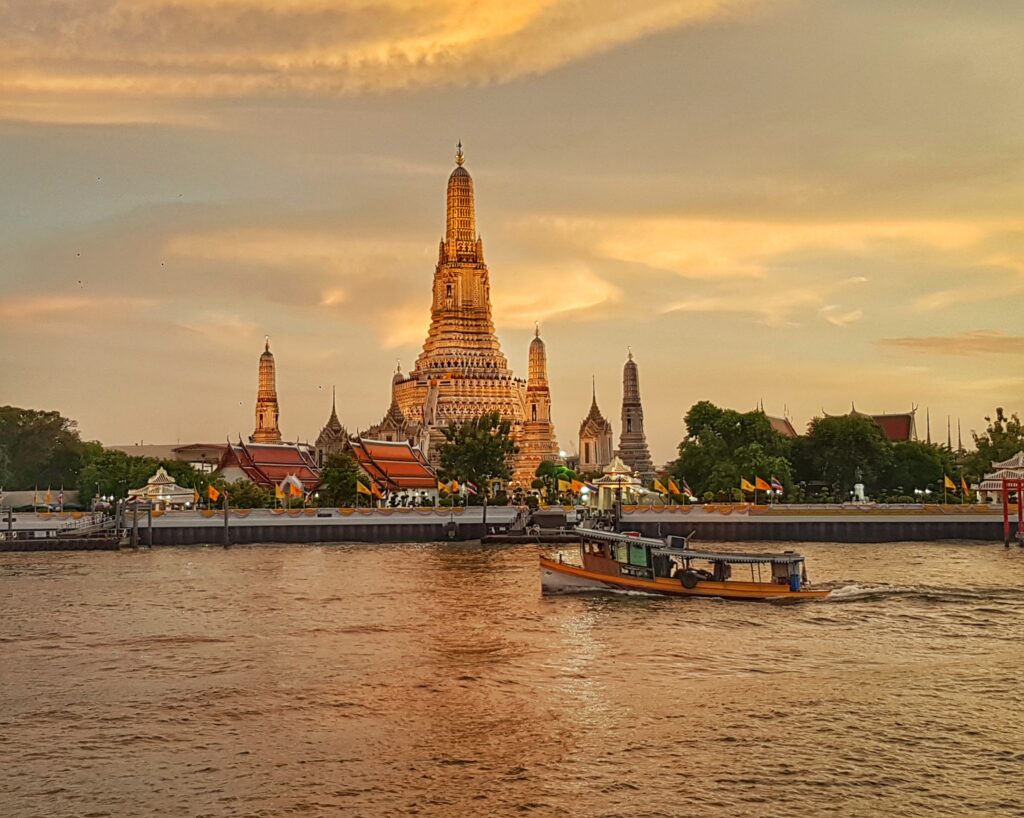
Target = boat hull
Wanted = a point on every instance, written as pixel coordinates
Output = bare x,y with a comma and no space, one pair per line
560,577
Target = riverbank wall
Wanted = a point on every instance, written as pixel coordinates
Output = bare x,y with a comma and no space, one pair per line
708,524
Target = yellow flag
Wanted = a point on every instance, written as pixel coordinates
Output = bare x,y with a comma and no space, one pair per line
278,493
659,487
49,496
455,487
761,485
442,486
949,484
963,484
745,485
672,487
212,493
195,495
361,489
564,485
375,491
35,496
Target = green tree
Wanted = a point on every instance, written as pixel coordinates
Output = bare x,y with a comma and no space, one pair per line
842,451
246,494
338,479
113,472
39,449
723,445
478,451
915,465
1001,440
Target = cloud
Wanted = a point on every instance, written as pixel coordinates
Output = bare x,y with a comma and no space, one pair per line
137,49
34,309
839,318
977,342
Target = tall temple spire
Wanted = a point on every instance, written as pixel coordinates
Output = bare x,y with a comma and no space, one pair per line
537,440
928,426
266,430
595,437
460,238
632,439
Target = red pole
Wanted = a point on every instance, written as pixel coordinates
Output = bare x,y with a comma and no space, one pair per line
1006,514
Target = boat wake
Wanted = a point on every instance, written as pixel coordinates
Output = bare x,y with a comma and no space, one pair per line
924,593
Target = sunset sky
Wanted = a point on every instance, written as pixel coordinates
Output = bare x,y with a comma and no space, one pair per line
805,203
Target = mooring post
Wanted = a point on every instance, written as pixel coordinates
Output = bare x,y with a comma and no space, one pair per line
135,525
227,532
149,525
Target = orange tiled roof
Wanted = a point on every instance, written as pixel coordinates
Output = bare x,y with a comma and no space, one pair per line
394,465
267,464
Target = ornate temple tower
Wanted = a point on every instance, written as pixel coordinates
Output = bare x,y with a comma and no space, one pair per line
595,438
266,430
536,440
461,372
632,440
333,439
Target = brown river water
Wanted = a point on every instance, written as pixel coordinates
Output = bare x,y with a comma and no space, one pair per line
435,680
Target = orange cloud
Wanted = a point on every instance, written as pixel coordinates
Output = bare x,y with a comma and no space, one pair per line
978,342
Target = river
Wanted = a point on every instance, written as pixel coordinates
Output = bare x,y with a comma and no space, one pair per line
435,680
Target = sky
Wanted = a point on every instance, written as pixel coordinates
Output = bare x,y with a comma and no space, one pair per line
805,203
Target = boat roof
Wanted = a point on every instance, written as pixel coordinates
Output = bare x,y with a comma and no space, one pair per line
660,547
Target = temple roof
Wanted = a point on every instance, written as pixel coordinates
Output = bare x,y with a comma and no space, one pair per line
782,426
267,464
1015,462
394,466
898,427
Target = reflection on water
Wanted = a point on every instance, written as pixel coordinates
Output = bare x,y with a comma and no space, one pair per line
436,680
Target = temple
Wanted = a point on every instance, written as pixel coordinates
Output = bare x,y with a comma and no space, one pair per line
536,440
990,488
266,430
268,464
897,428
595,438
333,438
462,372
632,440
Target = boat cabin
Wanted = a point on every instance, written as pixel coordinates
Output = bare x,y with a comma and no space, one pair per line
630,555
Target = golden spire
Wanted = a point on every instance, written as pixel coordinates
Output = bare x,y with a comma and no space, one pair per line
459,158
266,430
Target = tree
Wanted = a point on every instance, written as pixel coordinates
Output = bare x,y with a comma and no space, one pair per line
39,449
915,465
1001,440
478,451
113,472
842,451
338,479
723,445
246,494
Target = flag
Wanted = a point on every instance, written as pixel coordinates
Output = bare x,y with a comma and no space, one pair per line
60,499
278,492
745,485
564,485
963,484
471,488
949,484
454,487
361,489
212,493
442,486
577,486
49,496
660,487
687,490
672,487
195,496
35,496
375,491
776,485
294,490
590,486
761,485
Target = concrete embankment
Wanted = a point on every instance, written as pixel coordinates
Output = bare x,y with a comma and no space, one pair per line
837,525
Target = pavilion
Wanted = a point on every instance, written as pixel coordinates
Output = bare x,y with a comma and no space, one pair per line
990,488
396,466
163,492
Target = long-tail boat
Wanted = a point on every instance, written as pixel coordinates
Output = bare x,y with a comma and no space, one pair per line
625,561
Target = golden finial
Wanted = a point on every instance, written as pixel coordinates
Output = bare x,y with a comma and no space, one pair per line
630,350
459,158
266,344
536,329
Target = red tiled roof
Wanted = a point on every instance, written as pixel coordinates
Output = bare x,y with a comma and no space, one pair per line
268,464
394,465
782,426
897,428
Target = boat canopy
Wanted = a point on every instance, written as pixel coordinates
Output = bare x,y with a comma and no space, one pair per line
659,547
722,556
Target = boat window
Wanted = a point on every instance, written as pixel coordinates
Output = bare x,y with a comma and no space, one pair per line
621,552
637,555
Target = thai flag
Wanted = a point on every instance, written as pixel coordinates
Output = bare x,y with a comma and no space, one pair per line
687,490
776,485
471,488
589,486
